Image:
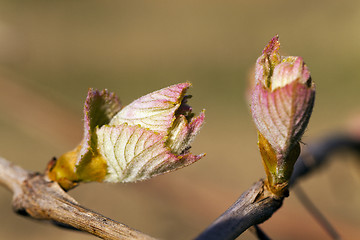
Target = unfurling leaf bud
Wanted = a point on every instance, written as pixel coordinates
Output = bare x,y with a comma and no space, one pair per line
148,137
282,102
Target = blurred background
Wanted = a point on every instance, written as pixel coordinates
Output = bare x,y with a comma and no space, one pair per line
51,52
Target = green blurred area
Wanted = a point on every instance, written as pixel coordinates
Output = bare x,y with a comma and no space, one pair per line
51,52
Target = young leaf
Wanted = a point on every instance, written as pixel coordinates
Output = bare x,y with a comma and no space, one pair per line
282,102
134,153
150,136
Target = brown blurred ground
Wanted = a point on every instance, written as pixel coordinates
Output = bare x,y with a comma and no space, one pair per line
51,52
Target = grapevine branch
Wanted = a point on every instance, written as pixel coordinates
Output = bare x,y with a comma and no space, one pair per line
247,212
37,197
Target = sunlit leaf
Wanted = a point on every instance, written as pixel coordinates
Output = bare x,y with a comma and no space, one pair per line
134,153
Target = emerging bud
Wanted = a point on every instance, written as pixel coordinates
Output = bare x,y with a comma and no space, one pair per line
282,102
150,136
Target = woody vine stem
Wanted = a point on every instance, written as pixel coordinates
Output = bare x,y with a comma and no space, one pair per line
53,204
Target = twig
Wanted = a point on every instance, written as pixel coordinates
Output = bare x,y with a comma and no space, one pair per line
12,176
236,220
253,207
260,233
317,154
41,199
313,210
